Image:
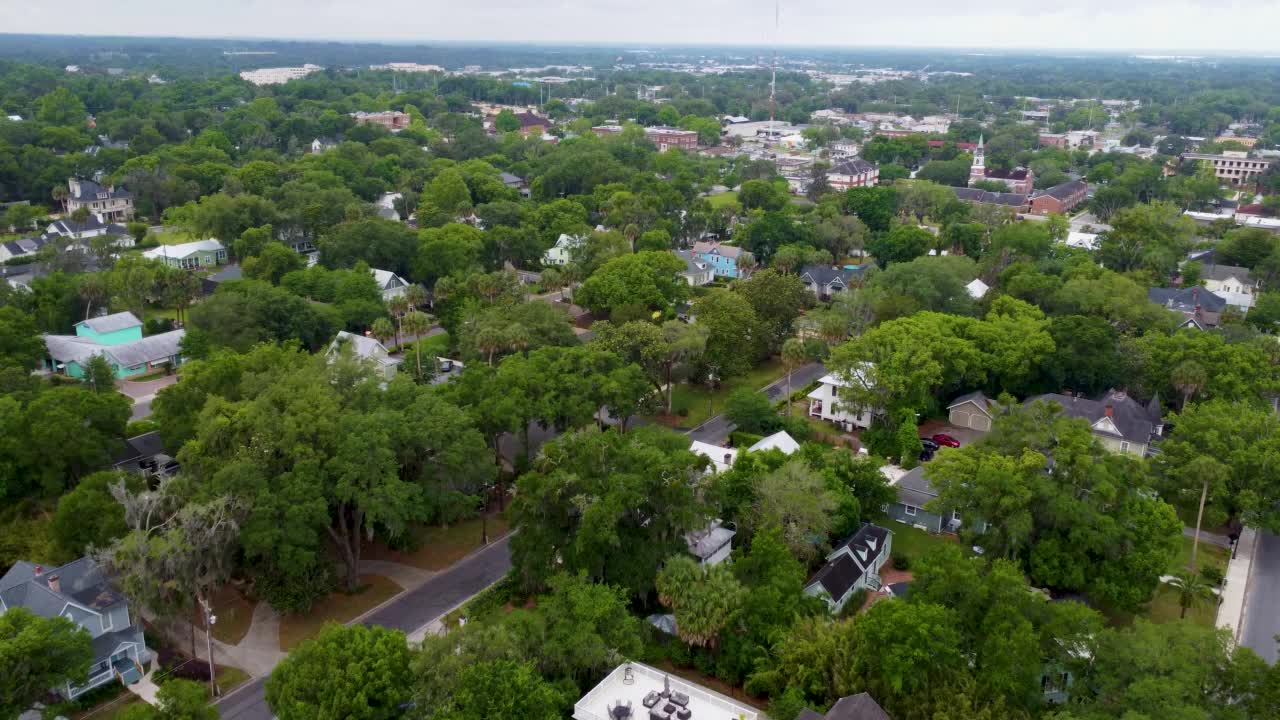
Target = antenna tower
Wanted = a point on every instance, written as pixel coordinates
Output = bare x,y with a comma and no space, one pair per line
773,80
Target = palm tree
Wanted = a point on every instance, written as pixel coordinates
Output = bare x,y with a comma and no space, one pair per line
793,356
489,340
1189,378
60,195
1211,472
415,323
1192,590
92,289
382,329
416,295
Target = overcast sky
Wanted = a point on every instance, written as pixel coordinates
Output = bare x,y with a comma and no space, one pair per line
1241,26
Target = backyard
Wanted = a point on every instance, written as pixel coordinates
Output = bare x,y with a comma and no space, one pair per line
701,404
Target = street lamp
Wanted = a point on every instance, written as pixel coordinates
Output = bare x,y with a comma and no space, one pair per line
209,620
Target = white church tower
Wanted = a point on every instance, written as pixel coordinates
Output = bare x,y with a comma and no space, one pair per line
978,171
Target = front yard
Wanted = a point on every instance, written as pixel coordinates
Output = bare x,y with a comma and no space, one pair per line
437,548
338,607
699,403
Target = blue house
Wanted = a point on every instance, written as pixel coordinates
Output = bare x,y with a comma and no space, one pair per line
118,338
79,592
725,260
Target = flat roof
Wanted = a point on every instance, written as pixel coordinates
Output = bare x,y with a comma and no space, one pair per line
630,682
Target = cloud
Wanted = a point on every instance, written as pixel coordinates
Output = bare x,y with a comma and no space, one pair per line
1087,24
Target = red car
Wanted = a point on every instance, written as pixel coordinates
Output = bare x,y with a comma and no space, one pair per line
946,440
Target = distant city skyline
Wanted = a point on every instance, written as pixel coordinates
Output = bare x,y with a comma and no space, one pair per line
1187,26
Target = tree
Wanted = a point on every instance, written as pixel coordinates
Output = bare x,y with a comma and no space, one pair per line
794,354
777,300
99,376
505,689
795,498
658,350
176,699
39,654
353,671
447,250
1152,237
591,493
60,107
704,600
383,244
751,411
506,121
1192,590
648,279
903,648
443,199
89,515
1108,200
735,337
272,263
415,323
901,244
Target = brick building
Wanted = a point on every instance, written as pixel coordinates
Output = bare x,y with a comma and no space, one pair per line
1060,198
393,120
668,137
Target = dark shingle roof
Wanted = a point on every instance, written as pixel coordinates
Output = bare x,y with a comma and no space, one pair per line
857,707
1134,421
1222,272
914,490
1066,189
990,198
825,274
837,576
1187,299
856,166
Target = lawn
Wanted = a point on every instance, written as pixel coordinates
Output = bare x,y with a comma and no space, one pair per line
437,547
229,678
338,607
702,404
173,236
914,542
1209,554
723,199
234,613
111,709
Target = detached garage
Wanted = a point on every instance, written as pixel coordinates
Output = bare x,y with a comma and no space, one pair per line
973,411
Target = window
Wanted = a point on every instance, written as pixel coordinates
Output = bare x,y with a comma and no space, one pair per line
909,510
1124,446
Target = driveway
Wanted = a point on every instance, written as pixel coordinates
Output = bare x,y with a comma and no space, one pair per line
966,436
715,431
143,392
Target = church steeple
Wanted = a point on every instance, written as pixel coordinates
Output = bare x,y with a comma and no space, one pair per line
978,171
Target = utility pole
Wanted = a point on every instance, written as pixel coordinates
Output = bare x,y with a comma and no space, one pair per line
209,620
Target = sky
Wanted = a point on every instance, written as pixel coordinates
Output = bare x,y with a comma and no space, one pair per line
1243,26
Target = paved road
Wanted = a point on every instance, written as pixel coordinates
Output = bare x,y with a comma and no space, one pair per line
715,431
407,612
1262,604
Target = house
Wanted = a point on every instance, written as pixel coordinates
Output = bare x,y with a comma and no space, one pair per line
113,204
1198,304
914,495
392,120
974,196
93,226
118,338
722,458
974,410
323,144
850,707
192,255
853,565
825,403
391,284
1018,181
637,691
1122,424
386,208
977,289
1234,284
1082,240
824,281
563,251
368,350
725,260
777,441
21,248
80,592
1059,199
137,452
712,544
696,272
853,173
515,182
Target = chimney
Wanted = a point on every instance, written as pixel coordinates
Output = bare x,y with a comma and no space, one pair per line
55,584
1109,411
728,458
39,570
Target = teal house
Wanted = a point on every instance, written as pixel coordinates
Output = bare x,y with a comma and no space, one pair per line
118,338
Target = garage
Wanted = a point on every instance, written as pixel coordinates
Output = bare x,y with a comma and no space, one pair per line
972,411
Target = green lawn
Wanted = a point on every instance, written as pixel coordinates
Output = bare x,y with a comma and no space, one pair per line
703,404
1164,608
437,548
723,199
914,542
338,607
173,236
1209,554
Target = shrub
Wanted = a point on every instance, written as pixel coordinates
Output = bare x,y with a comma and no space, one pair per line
295,590
193,669
1213,574
744,440
140,427
854,603
901,562
682,412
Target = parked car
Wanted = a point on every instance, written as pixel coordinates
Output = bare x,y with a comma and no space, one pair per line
926,455
946,440
929,444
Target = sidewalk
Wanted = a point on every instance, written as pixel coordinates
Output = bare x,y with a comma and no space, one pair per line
1236,588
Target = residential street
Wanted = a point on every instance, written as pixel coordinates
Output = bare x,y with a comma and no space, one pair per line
407,612
716,430
1262,602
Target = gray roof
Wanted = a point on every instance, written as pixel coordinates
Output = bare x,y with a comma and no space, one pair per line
706,542
979,398
857,707
24,246
1065,190
80,581
990,198
715,248
89,190
856,166
1134,421
156,348
139,447
112,323
826,274
1187,299
1222,272
67,226
691,263
914,490
509,179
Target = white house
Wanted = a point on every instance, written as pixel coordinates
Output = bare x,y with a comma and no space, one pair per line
825,403
853,173
722,458
92,227
562,252
977,289
696,272
777,441
712,544
368,349
201,253
391,284
1234,284
853,565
